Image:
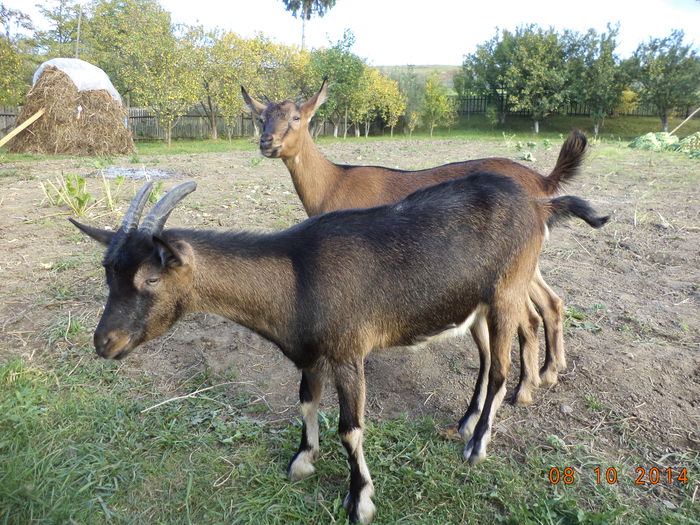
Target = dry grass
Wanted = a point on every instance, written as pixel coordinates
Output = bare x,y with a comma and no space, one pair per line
97,128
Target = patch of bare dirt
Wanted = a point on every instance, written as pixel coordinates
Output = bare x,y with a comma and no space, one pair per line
633,336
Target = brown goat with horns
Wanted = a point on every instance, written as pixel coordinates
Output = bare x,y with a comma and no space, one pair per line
324,186
335,287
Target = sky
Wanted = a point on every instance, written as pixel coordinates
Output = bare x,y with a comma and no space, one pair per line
399,32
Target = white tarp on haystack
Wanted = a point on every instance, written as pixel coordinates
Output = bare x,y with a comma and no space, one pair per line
84,75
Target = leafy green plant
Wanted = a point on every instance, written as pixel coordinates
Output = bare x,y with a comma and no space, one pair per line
156,192
69,190
255,161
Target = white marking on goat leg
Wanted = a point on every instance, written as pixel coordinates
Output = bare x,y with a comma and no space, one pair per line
365,507
302,465
478,319
476,452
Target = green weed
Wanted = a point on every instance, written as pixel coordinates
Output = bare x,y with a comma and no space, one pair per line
69,190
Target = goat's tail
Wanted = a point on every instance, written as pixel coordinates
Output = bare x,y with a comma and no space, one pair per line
570,158
569,206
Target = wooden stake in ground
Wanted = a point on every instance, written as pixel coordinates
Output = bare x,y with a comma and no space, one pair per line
676,128
21,127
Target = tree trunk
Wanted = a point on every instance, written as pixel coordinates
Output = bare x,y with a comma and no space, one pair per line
345,131
392,132
596,128
664,124
536,126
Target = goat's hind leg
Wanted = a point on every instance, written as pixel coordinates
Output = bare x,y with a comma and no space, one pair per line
551,307
480,333
500,334
310,390
350,383
529,354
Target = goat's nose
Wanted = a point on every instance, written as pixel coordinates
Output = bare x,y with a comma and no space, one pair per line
266,140
102,343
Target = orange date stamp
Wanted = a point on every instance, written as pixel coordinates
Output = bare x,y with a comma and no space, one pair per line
643,476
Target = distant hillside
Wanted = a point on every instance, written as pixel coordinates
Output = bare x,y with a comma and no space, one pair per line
446,72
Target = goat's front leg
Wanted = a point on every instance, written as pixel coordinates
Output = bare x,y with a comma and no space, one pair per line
350,383
310,390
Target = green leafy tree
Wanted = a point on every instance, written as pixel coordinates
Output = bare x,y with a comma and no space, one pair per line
169,82
345,70
412,91
438,109
15,60
392,102
536,79
125,37
211,61
377,97
485,71
65,21
594,73
666,74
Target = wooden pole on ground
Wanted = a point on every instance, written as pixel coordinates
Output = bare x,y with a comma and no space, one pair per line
676,128
21,127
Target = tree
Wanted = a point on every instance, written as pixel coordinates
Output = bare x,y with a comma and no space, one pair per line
536,78
61,40
484,72
169,83
392,102
666,74
438,109
412,91
122,36
305,9
211,61
15,65
345,70
594,73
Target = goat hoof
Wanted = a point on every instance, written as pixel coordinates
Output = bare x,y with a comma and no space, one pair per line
548,377
301,466
360,510
522,398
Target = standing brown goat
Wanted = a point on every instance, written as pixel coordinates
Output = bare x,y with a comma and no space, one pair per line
335,287
324,186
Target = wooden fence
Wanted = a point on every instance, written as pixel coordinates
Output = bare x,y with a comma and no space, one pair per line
195,124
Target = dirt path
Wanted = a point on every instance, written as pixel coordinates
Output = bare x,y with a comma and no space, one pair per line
631,293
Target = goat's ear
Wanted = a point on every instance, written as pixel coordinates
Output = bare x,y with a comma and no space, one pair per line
101,236
255,106
170,254
310,107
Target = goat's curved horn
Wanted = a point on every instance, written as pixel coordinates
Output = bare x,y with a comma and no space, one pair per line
133,214
155,220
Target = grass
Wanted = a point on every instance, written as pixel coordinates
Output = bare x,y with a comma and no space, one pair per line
475,127
83,443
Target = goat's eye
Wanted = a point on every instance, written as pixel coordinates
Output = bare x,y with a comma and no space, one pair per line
152,281
296,118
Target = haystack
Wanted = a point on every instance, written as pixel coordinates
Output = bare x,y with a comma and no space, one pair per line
81,117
